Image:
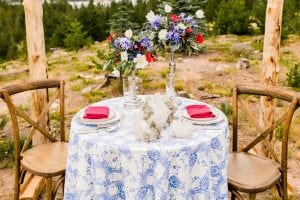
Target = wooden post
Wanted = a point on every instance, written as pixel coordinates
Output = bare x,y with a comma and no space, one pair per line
36,58
271,58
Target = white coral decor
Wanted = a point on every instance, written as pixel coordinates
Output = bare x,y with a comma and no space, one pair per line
168,9
200,14
140,61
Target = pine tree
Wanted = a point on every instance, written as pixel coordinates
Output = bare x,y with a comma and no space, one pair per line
122,17
76,37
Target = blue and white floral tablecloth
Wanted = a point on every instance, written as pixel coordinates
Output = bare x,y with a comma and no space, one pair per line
115,165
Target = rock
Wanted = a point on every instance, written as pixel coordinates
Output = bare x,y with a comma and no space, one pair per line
99,77
86,89
241,50
242,63
54,107
210,96
222,67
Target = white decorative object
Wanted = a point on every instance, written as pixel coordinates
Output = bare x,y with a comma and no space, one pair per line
181,129
141,61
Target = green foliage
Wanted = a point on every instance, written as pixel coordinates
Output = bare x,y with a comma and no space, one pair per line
226,109
122,18
236,21
279,131
7,152
3,121
75,38
293,76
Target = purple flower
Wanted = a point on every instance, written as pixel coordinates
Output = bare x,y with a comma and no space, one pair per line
156,23
123,43
190,20
147,44
173,36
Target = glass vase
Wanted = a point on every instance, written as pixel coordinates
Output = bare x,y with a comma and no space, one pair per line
170,85
130,90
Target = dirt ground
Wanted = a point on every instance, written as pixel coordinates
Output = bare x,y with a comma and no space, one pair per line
193,72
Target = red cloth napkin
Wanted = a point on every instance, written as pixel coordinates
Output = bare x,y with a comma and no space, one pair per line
199,111
96,112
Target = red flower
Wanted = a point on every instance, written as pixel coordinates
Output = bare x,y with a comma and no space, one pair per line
108,39
199,38
174,18
150,58
189,30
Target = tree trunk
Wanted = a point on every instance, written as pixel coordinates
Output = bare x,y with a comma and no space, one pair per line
36,59
271,58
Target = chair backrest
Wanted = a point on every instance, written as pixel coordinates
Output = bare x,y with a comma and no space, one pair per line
8,91
290,97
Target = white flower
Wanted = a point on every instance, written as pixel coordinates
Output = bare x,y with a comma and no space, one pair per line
152,35
116,73
181,26
128,33
150,16
168,8
124,56
140,61
162,35
199,14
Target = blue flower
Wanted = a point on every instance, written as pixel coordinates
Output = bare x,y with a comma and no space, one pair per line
173,36
174,182
190,20
123,43
153,155
215,144
156,23
147,44
214,171
192,159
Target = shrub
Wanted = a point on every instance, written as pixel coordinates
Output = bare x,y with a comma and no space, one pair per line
226,109
293,76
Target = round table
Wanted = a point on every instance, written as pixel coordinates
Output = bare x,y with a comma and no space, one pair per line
113,164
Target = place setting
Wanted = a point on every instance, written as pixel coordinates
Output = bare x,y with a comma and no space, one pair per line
96,118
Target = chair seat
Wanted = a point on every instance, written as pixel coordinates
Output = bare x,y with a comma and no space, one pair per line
251,174
46,160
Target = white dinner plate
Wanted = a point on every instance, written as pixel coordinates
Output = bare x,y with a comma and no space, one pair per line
218,117
113,117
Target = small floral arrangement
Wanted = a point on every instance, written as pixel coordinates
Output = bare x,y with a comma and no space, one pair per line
129,52
180,31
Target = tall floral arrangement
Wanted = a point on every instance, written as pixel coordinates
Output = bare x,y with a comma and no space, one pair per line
177,31
128,52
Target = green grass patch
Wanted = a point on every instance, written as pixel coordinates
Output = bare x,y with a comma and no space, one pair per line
76,87
3,121
95,96
222,90
164,72
153,85
179,86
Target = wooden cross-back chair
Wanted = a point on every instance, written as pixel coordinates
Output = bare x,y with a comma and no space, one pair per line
46,160
250,173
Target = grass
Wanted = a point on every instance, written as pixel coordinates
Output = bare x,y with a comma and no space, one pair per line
164,72
3,121
95,96
7,152
222,90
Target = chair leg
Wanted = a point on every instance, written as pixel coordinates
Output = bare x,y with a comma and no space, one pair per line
49,188
252,196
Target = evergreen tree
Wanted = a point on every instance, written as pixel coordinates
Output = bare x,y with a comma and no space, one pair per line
211,9
259,14
122,17
236,21
75,38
